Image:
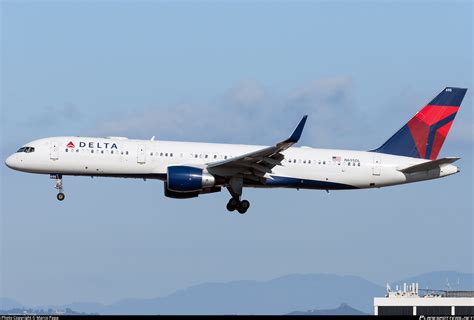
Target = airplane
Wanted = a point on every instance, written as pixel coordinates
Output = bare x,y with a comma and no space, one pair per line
190,169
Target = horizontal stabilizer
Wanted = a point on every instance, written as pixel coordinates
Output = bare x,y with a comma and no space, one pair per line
428,165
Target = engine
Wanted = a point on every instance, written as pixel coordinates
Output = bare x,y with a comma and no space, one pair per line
188,179
189,195
180,195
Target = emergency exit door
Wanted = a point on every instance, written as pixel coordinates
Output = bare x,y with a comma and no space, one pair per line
141,154
376,166
54,151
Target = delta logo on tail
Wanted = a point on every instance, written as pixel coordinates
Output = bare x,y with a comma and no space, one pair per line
70,145
424,135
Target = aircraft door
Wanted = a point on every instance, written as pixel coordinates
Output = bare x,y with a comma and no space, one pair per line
376,166
141,154
54,151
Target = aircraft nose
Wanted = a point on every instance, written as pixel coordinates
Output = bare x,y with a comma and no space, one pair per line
10,162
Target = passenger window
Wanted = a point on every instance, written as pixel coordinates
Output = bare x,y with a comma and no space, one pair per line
102,151
309,161
111,151
92,151
77,150
171,154
358,164
324,162
66,150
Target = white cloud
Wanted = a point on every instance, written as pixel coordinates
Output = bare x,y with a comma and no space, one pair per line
249,113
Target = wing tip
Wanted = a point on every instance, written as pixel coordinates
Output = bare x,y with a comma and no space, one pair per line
296,135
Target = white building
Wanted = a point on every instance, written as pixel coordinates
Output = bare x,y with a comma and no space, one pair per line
407,301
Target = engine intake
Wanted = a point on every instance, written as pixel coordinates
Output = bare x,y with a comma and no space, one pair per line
188,179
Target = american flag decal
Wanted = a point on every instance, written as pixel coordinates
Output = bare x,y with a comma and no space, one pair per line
336,158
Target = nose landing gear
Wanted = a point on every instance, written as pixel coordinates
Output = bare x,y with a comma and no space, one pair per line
59,186
60,196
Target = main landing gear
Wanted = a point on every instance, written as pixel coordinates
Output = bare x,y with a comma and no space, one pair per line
59,186
235,190
236,204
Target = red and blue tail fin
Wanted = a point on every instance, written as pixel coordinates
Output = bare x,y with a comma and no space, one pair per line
423,136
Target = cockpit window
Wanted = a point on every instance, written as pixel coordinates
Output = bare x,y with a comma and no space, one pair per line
26,149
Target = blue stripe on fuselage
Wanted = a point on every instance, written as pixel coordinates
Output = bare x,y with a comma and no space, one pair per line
277,181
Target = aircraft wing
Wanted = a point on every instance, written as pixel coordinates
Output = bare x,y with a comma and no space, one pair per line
428,165
256,164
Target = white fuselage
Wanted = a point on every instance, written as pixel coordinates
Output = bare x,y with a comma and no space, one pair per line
302,167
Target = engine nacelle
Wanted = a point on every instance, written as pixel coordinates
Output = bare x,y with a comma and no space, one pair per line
188,195
180,195
188,179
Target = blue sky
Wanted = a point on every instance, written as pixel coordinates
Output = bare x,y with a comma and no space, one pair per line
237,72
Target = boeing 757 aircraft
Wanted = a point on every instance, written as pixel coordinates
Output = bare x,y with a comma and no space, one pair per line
190,169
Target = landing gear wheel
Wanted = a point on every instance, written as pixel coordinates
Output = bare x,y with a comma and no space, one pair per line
243,206
58,186
232,204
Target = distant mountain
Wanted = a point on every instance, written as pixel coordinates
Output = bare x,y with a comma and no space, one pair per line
343,310
31,311
6,304
316,292
278,296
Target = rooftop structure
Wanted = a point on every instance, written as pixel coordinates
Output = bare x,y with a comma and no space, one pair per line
409,301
